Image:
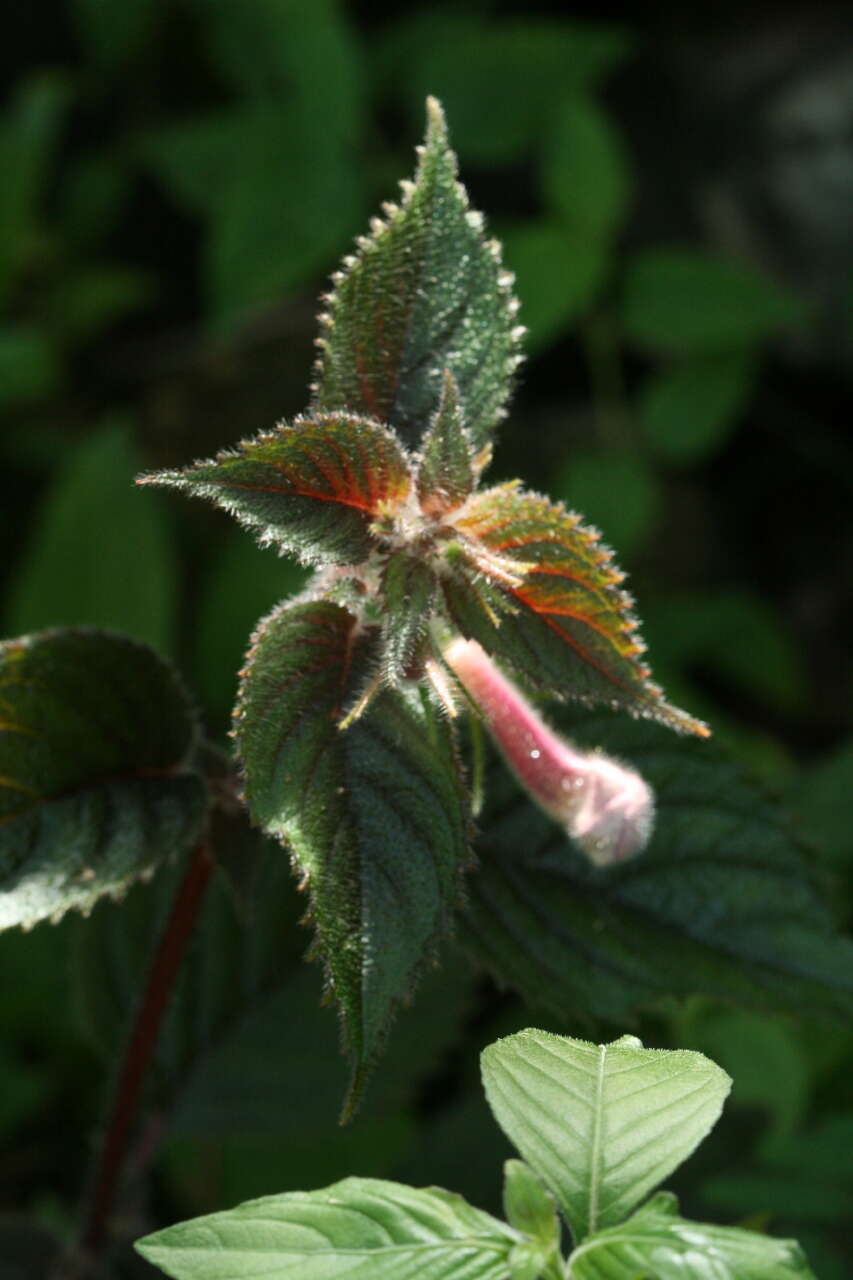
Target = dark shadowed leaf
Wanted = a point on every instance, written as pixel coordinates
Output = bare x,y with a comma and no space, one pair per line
655,1241
565,625
97,784
722,902
425,292
585,174
313,488
601,1125
358,1226
409,593
687,412
374,815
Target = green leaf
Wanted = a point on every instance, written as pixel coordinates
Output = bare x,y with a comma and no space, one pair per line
528,1206
445,474
99,554
425,293
585,175
360,1226
563,624
679,299
687,412
97,784
558,272
313,487
602,1125
374,816
30,368
408,599
655,1241
616,490
722,902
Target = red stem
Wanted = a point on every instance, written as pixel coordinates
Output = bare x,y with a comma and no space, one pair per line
137,1055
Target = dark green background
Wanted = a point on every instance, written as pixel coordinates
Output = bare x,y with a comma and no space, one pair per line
177,180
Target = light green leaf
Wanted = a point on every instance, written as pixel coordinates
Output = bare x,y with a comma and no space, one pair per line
313,487
100,553
680,299
360,1228
97,783
585,173
375,816
424,293
722,902
602,1125
558,274
688,411
656,1242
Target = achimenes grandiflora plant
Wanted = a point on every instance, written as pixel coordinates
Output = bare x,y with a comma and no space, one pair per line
599,1127
423,581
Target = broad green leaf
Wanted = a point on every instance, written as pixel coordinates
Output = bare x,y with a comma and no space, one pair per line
688,411
585,174
656,1242
374,816
445,474
99,553
565,624
686,300
97,784
408,601
602,1125
312,488
424,293
359,1228
616,490
468,64
532,1210
558,273
722,902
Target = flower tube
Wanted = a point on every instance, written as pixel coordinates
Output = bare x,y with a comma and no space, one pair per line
605,807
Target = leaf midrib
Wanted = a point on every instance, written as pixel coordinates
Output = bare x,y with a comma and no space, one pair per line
596,1153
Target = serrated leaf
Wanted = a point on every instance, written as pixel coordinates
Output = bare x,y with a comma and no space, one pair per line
408,593
359,1227
313,487
374,815
602,1125
445,473
565,624
97,784
72,574
655,1241
682,299
425,293
722,902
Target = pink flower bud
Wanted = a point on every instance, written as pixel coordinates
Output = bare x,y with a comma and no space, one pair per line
605,807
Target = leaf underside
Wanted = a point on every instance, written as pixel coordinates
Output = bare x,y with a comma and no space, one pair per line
425,292
313,487
364,1228
721,902
375,816
567,626
602,1125
96,778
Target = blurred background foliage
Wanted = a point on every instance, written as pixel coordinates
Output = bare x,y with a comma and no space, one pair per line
674,194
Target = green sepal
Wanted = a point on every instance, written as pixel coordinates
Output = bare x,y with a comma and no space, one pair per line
565,625
655,1241
425,292
408,598
445,474
313,487
375,816
98,777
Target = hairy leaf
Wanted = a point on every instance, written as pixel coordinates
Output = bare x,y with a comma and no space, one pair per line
602,1125
374,815
409,592
445,475
360,1228
313,487
655,1241
721,902
97,784
566,625
425,293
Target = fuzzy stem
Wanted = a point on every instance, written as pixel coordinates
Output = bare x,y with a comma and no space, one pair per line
139,1050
